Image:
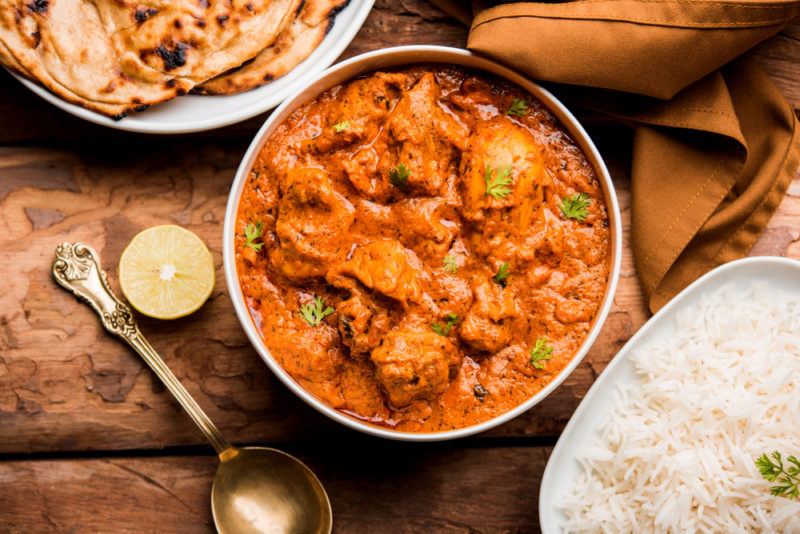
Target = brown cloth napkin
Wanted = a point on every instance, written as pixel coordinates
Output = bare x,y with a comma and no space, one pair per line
715,145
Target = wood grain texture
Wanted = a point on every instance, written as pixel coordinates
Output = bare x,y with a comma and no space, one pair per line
422,489
780,58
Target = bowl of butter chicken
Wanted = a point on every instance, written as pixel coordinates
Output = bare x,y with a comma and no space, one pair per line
422,244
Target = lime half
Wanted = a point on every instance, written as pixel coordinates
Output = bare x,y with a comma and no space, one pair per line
166,272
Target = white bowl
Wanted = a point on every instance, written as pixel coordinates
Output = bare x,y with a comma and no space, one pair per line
382,59
196,113
563,468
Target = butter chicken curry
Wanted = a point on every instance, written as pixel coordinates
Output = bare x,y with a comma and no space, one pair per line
422,249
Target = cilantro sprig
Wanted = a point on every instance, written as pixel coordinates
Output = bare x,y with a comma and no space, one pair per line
314,312
518,108
501,276
253,232
785,475
451,319
498,181
540,352
450,264
399,176
575,206
341,126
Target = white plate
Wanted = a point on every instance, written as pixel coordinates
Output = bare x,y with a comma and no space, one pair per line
563,469
195,113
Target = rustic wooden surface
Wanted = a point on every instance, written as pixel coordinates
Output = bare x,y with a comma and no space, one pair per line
89,441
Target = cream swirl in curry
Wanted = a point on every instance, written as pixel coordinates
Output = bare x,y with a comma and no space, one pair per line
423,248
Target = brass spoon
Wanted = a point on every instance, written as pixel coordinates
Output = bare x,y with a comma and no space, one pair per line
256,489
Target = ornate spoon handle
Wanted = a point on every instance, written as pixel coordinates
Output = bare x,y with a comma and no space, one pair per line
76,267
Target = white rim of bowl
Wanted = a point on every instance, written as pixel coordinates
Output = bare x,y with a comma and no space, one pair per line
388,58
309,73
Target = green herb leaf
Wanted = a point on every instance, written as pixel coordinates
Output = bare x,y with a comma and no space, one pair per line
314,312
787,475
501,277
450,264
497,186
444,329
575,207
519,107
252,232
341,126
398,176
541,352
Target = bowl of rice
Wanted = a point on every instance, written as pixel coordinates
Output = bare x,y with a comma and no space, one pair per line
667,438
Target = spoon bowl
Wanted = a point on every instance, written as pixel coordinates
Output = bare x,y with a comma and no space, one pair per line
263,490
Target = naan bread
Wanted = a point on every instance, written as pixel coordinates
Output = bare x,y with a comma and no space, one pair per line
62,44
191,39
291,48
115,55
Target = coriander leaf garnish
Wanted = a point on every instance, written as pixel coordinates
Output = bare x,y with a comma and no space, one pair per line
444,329
497,186
341,126
787,476
252,232
314,312
450,264
575,207
398,176
501,277
519,107
540,352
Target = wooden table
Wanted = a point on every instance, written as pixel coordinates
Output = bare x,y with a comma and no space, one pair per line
89,441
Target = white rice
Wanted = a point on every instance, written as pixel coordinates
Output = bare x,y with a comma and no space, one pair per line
677,452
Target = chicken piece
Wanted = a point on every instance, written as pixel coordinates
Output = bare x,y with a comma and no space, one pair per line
384,266
361,170
452,294
414,365
362,323
360,109
500,148
485,326
476,95
420,135
426,136
422,226
312,225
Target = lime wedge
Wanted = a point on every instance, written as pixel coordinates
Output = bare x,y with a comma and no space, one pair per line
166,272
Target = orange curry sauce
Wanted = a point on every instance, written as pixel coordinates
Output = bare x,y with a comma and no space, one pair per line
456,232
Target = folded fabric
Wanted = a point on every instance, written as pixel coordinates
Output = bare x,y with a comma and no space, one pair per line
715,144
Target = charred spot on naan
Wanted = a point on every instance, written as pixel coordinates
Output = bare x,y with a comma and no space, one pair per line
39,6
141,14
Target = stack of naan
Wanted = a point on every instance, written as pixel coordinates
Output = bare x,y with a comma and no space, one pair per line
114,56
